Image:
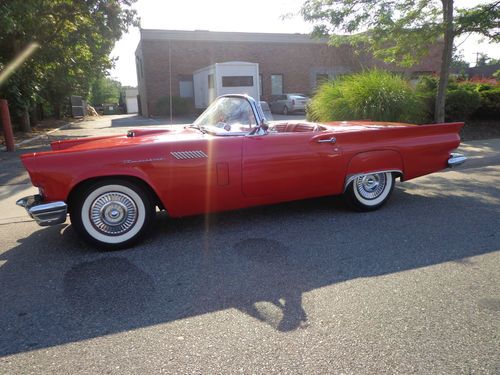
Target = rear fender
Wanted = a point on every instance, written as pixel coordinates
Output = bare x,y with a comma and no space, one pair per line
374,161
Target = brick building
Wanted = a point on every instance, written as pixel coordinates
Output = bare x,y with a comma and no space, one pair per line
166,60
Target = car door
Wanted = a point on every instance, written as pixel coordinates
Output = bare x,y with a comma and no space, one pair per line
291,165
201,175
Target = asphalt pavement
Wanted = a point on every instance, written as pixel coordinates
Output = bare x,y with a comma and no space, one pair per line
302,287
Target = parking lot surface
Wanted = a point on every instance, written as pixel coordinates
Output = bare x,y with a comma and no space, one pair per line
303,287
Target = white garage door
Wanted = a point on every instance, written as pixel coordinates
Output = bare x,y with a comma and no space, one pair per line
132,106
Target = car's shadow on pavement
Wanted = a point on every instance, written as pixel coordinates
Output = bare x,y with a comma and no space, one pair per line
261,261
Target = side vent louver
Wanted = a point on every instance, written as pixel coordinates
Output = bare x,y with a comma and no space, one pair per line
189,154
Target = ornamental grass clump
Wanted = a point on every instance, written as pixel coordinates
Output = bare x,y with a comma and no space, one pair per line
371,95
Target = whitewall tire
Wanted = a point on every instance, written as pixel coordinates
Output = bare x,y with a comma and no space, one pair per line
112,214
370,191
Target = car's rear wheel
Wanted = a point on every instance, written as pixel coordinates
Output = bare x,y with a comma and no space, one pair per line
285,110
112,214
367,192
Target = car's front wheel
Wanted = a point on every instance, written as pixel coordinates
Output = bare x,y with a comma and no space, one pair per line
112,214
367,192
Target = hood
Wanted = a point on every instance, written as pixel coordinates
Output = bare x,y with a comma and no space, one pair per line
133,137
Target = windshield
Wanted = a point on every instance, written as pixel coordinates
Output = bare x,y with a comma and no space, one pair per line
227,115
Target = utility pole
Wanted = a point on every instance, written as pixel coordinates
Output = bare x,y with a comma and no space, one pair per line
477,57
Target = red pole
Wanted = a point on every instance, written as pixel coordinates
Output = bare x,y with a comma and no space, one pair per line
7,126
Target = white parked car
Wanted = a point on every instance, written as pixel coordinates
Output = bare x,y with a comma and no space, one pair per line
288,103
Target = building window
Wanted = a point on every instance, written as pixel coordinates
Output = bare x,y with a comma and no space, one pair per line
186,87
211,84
237,81
276,84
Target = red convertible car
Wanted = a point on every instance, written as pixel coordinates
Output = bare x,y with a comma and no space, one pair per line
229,158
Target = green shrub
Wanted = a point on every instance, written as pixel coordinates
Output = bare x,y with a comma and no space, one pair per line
427,84
485,86
371,95
180,106
461,103
466,85
428,99
464,99
490,104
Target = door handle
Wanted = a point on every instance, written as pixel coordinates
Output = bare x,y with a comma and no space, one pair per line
331,140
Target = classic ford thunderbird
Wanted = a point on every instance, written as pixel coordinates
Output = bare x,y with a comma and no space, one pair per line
229,158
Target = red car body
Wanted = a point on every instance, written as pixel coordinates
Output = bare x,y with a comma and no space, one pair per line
190,172
240,171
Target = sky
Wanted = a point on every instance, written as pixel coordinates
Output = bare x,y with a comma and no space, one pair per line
242,16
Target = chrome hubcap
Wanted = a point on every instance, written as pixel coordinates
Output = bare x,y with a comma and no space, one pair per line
370,186
113,213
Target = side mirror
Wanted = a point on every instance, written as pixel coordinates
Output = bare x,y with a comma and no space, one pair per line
264,126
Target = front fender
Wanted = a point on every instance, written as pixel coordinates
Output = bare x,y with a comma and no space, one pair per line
110,173
58,173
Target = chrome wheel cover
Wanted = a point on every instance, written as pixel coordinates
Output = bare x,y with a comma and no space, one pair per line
113,213
370,186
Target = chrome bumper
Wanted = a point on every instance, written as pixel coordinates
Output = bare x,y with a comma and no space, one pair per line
456,159
44,213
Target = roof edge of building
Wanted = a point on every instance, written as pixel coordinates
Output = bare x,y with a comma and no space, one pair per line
226,36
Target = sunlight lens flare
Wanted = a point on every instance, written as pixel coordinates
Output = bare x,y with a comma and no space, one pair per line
18,61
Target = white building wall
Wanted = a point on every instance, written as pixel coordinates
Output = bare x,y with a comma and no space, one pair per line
204,95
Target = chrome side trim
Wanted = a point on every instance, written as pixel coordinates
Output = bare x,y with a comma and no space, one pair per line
181,155
45,214
456,159
352,177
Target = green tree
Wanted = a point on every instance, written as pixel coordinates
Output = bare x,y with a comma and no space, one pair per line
105,90
75,39
484,60
459,64
401,32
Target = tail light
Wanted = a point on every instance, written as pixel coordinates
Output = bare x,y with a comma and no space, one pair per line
293,101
